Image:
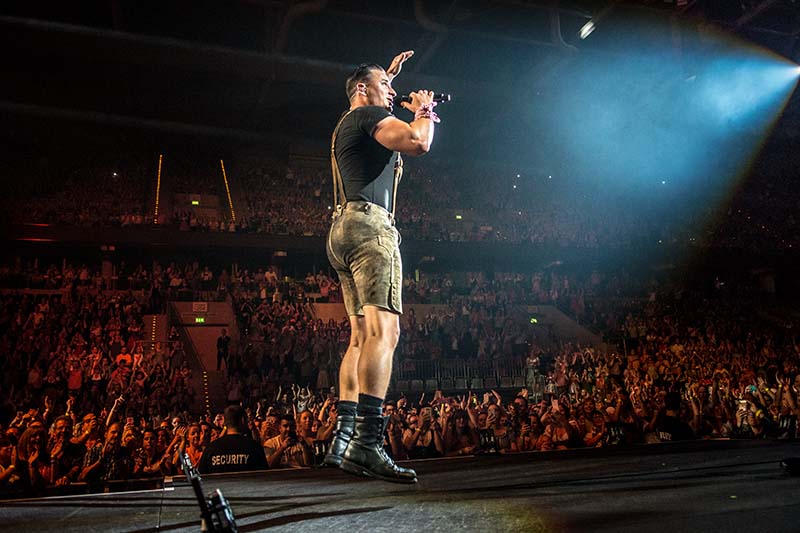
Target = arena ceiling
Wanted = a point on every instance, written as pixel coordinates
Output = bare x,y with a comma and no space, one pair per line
271,72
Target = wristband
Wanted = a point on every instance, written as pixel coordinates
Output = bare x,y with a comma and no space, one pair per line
426,111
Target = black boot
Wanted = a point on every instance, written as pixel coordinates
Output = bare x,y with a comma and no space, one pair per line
366,457
341,438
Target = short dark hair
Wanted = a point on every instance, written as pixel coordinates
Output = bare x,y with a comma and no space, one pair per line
288,418
235,417
363,72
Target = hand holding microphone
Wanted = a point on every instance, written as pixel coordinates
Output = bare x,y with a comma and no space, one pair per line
439,98
413,101
422,102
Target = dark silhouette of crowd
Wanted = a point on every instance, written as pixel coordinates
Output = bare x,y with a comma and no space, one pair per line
441,203
96,192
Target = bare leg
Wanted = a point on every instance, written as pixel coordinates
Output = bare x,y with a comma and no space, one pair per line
364,455
348,392
348,370
382,331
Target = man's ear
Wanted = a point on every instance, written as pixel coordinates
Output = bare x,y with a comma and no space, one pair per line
361,88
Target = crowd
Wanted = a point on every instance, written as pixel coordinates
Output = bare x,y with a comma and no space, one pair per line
85,399
83,349
154,282
689,365
91,193
292,201
592,399
287,344
439,204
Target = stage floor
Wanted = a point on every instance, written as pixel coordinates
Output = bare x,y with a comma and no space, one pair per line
699,486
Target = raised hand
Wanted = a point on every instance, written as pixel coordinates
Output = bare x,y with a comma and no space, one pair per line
472,401
302,398
397,63
460,400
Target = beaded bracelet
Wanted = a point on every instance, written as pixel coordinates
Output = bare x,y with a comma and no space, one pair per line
426,111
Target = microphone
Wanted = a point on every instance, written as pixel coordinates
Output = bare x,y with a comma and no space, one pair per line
438,98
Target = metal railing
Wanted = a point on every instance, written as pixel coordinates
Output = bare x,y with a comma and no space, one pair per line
417,376
453,369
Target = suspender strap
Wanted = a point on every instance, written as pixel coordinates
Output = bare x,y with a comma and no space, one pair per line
338,184
398,175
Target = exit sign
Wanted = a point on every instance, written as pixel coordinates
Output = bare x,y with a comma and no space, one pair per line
199,320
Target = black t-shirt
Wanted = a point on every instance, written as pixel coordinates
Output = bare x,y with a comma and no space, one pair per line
670,428
367,167
72,457
232,453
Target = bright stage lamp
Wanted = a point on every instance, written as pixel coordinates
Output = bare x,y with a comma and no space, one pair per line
586,30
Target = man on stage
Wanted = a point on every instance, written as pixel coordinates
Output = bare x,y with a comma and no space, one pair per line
363,247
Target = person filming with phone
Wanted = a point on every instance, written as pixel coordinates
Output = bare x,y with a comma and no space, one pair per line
286,450
423,438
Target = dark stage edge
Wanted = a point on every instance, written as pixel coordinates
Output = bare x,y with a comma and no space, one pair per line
699,486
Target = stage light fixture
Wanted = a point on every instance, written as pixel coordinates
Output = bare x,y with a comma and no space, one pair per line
586,30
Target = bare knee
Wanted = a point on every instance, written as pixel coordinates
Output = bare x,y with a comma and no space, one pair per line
356,341
392,335
358,333
386,332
